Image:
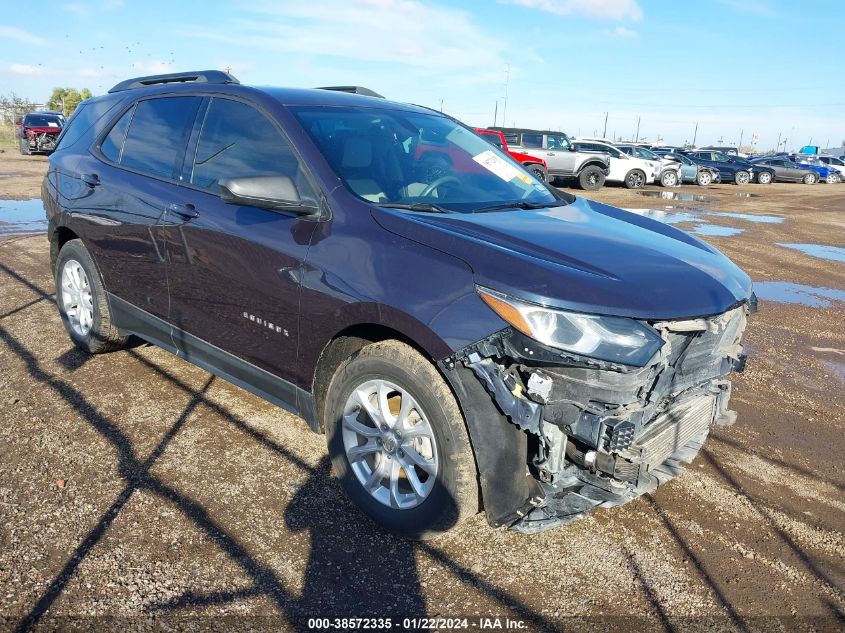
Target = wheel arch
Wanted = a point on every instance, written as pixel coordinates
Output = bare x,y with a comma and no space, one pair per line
59,236
593,162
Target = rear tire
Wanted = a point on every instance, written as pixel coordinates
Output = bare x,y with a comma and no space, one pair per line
764,178
591,178
809,179
81,299
742,177
364,408
669,178
635,179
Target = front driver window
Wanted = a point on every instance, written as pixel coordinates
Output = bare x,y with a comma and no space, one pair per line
238,141
558,143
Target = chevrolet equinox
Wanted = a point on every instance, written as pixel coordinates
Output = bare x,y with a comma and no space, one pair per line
465,336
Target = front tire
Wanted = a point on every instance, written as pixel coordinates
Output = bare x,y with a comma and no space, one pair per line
809,179
24,147
669,178
538,171
704,178
742,177
591,178
81,299
398,442
832,179
764,178
635,179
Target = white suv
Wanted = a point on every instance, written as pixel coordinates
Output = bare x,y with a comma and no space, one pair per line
633,172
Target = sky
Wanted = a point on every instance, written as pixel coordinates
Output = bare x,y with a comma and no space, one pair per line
736,68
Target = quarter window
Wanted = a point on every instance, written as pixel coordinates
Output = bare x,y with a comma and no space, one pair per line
112,145
158,135
238,141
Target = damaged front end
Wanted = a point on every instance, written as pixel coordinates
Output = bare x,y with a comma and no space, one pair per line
601,433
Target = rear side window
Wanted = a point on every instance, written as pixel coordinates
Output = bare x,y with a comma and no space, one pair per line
157,137
532,140
238,141
112,145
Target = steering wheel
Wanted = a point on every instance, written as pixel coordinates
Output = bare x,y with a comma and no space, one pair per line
437,182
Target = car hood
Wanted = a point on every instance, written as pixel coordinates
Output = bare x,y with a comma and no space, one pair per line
585,256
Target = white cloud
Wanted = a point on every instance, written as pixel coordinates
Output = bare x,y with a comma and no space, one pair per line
621,32
597,9
405,33
15,33
24,69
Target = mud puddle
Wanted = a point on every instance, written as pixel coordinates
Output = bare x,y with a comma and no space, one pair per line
788,292
675,195
22,217
830,253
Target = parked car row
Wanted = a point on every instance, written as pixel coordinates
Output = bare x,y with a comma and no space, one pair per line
588,162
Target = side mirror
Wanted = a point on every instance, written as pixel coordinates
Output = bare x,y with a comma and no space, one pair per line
266,192
19,122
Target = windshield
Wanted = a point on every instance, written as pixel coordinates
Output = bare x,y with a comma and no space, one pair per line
393,157
642,152
42,120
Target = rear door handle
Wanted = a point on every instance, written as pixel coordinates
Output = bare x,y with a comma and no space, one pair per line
92,180
184,211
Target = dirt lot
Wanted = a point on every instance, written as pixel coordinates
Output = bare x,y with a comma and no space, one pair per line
187,498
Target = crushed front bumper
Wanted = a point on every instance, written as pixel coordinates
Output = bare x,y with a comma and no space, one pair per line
600,434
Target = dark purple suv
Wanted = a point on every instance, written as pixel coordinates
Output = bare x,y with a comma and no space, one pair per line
466,336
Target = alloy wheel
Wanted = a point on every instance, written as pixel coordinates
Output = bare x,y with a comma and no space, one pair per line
389,444
77,299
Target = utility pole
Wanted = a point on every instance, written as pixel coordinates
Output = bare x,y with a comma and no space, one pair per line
496,113
441,105
604,132
741,133
507,83
777,149
695,134
637,135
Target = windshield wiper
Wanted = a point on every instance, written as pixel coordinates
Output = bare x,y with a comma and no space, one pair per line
521,204
417,206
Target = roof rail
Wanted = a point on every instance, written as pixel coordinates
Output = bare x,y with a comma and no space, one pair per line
197,76
356,90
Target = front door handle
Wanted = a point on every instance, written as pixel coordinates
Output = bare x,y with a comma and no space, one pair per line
92,180
550,153
184,211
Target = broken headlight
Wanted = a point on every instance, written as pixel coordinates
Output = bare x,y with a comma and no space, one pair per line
614,339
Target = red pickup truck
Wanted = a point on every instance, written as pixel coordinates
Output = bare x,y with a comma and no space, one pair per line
536,166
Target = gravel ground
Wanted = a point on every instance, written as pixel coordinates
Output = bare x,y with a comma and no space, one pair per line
139,492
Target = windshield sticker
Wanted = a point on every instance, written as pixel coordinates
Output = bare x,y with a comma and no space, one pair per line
504,170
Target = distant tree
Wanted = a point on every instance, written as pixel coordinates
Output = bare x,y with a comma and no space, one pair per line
13,107
67,99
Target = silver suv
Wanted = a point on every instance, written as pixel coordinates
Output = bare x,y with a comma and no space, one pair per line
586,169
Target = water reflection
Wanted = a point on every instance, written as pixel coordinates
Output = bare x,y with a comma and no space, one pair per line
830,253
22,217
788,292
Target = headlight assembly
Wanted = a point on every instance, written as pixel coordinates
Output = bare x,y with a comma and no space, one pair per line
613,339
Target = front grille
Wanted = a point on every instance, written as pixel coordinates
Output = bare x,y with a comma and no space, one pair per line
673,430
